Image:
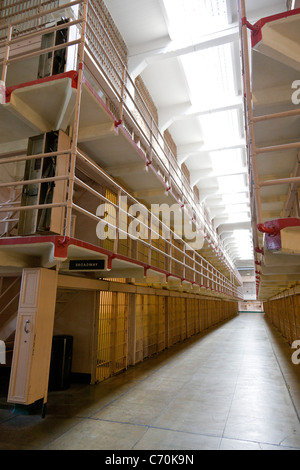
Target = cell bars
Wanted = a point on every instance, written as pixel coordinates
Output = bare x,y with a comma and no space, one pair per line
133,327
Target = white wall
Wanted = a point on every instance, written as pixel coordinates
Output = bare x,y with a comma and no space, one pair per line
75,316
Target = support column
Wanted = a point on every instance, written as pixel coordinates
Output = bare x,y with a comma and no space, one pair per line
33,340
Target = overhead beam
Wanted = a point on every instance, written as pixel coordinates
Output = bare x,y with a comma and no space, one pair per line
181,111
140,56
197,176
215,191
184,152
231,227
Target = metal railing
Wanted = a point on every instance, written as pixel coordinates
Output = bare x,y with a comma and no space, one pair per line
168,255
255,152
120,92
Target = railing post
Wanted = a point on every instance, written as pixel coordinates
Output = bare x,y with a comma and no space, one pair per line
149,238
123,87
6,56
118,222
249,108
68,229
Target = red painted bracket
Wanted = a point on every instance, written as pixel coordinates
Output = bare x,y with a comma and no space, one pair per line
72,74
272,230
256,29
118,123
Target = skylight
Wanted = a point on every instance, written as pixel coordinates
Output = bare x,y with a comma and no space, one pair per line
190,20
236,182
220,128
244,243
227,160
213,89
209,74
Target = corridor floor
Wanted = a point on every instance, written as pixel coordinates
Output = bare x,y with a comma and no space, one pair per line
234,387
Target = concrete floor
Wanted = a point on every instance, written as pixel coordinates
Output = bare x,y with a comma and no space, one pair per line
233,387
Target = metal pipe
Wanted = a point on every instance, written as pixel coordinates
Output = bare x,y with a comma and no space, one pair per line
45,12
43,51
285,114
33,157
248,92
6,56
277,148
295,179
46,30
35,181
38,206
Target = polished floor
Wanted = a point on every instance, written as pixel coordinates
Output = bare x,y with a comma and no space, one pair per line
232,388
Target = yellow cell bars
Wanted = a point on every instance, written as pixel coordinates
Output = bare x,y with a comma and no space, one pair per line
103,369
161,325
11,169
177,319
139,348
112,334
193,319
120,341
109,243
150,325
158,322
160,245
284,314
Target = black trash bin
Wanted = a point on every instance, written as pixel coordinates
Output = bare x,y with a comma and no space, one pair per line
61,362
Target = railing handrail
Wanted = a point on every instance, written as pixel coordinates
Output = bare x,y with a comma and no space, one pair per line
42,13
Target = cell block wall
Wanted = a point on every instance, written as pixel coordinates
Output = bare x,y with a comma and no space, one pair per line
284,314
160,321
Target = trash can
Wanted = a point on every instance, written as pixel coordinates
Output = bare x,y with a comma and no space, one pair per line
61,362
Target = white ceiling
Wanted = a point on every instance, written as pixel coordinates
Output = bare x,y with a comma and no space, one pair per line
191,67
